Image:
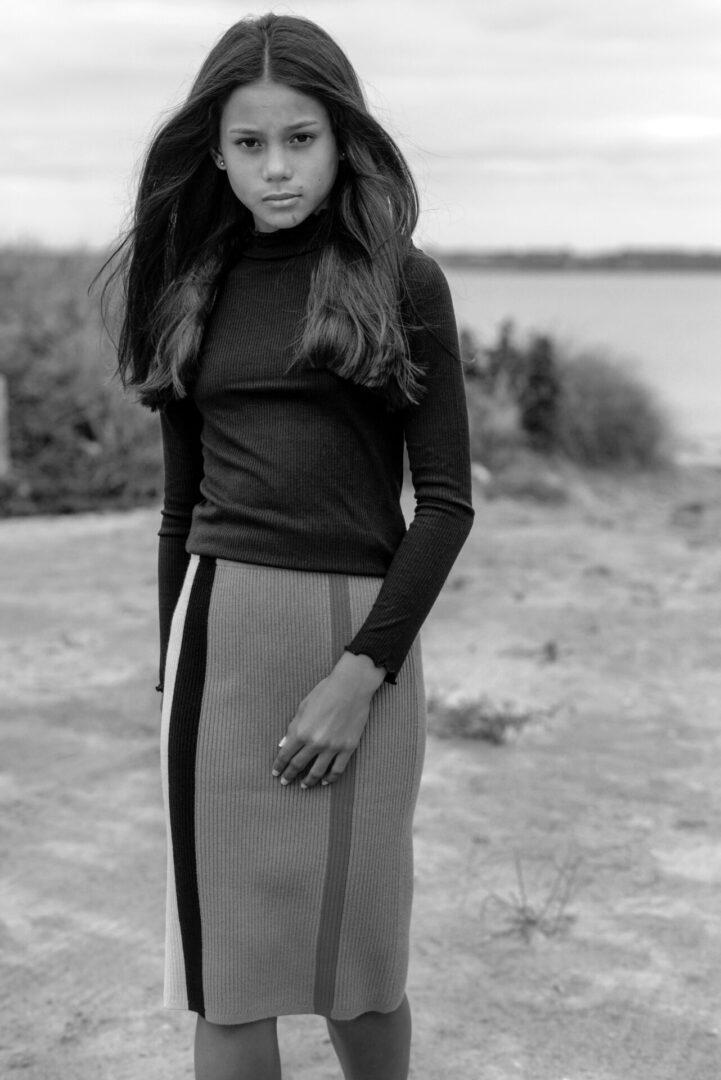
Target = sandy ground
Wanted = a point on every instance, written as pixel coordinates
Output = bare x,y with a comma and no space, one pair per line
600,617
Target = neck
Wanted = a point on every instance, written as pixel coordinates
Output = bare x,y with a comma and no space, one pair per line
312,233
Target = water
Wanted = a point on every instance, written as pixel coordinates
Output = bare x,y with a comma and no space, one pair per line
666,326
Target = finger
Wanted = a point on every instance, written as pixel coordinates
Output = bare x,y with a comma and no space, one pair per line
298,764
288,747
320,768
339,766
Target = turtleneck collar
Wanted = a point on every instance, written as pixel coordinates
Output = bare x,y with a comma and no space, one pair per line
310,235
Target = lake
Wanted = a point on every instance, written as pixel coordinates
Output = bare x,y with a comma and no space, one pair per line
666,326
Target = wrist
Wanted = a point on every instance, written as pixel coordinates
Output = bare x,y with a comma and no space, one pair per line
359,667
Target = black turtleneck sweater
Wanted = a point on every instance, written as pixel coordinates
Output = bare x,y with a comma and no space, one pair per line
303,469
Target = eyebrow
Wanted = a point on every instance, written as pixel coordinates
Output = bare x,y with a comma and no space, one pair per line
295,126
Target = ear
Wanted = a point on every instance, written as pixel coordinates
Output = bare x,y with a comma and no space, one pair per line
218,158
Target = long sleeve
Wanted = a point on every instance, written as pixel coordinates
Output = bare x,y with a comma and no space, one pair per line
183,460
436,436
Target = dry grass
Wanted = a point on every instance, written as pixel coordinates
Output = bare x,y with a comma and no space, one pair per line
476,718
548,914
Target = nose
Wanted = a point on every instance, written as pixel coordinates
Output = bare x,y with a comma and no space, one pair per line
276,164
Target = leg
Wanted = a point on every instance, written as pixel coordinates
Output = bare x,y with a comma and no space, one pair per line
237,1051
374,1046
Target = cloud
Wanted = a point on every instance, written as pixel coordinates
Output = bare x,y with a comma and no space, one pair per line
514,95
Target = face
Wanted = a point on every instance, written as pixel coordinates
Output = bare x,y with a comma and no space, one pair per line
279,151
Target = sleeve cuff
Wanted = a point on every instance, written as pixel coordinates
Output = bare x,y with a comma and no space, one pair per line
390,676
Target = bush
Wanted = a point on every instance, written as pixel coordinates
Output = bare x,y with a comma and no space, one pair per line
554,399
77,442
608,416
475,718
494,411
495,427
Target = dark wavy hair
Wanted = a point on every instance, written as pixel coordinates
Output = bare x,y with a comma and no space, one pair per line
188,225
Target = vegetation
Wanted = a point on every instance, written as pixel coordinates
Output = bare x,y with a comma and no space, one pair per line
548,915
476,718
579,404
77,442
607,416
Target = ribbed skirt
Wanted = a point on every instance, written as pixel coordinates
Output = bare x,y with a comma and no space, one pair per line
281,900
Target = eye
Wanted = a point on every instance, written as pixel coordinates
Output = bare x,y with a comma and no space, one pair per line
303,137
248,142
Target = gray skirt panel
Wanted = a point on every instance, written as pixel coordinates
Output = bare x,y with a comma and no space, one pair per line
281,900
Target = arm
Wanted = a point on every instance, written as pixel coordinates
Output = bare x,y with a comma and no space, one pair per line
330,720
180,424
436,434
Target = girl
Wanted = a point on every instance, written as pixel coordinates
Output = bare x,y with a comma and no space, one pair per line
292,339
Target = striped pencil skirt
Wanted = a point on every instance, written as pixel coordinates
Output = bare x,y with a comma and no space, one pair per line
281,900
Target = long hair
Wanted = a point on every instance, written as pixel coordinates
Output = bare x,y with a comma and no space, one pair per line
188,225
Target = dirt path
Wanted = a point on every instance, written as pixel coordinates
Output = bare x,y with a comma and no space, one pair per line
601,617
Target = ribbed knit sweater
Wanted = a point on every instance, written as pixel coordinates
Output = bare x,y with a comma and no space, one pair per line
293,466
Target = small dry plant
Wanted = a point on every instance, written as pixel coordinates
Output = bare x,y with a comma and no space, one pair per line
475,718
548,916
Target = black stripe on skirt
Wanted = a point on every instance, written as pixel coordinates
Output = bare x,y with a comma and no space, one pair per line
182,745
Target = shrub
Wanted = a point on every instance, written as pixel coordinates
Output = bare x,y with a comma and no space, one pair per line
494,424
582,404
494,413
76,440
475,718
607,416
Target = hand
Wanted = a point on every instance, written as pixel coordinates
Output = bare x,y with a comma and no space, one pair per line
329,723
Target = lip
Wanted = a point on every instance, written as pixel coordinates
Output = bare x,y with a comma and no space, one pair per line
281,196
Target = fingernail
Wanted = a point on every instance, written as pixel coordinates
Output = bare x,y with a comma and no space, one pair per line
303,787
282,741
284,781
275,772
324,783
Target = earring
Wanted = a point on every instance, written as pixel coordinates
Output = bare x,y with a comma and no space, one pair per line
221,163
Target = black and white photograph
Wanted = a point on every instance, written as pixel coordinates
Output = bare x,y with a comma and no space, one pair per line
360,540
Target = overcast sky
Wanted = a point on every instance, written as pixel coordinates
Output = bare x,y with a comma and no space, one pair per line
589,123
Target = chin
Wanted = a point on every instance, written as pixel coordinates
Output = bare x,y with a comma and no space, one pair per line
285,222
